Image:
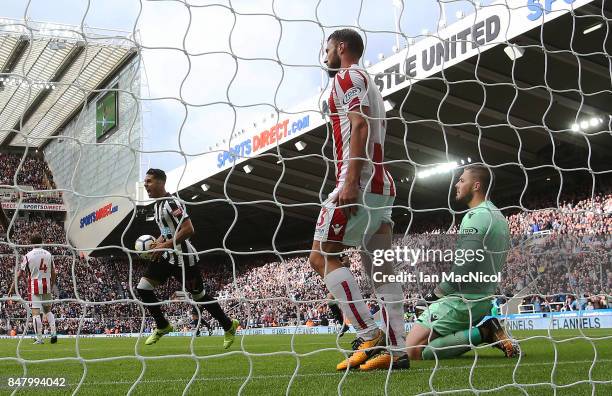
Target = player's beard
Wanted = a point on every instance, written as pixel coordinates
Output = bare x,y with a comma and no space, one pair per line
333,64
465,198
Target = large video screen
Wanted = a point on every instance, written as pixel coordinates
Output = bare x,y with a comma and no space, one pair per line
106,114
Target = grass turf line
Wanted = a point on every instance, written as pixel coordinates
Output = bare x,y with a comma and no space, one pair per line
272,365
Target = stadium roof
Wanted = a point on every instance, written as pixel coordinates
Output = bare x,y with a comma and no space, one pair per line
515,116
47,71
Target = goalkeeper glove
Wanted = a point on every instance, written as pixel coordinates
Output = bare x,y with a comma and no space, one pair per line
430,297
435,295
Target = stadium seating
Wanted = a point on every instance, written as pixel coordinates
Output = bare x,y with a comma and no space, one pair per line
581,229
34,175
34,171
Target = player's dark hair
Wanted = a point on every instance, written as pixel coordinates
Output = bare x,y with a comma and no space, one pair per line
483,175
35,239
351,38
157,174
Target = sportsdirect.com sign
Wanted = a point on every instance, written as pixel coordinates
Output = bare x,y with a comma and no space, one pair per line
34,206
263,140
99,214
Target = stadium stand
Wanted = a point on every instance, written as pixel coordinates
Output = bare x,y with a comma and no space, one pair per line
575,279
34,171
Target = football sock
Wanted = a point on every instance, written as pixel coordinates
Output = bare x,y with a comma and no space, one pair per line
51,320
37,323
392,311
342,285
454,344
214,309
148,296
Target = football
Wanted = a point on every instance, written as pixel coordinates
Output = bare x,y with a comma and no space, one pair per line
143,244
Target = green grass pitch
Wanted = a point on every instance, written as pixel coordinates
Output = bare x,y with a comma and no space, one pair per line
271,364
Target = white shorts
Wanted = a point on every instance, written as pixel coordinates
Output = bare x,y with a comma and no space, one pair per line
38,300
333,226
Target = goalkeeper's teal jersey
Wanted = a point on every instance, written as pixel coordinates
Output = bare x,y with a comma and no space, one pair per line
483,228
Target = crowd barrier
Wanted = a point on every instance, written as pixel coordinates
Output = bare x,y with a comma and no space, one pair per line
596,319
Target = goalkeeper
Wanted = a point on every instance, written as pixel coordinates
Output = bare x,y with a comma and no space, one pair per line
447,328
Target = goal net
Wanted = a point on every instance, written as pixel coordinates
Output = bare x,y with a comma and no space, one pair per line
232,100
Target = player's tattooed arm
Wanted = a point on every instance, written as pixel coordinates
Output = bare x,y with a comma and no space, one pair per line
185,231
157,244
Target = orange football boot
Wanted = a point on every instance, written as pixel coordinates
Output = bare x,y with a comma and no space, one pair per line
383,360
364,349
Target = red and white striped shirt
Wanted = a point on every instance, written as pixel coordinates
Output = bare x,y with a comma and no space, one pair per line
38,264
352,90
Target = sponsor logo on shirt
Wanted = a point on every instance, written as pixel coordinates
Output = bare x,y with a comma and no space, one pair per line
351,94
469,230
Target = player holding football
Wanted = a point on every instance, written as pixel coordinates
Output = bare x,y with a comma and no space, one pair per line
358,212
175,230
38,265
456,308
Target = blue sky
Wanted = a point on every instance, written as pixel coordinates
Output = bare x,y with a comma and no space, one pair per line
178,41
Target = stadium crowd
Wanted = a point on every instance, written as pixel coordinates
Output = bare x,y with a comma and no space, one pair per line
51,229
34,171
33,175
562,254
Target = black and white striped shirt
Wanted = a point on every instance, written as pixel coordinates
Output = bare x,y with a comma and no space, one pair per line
169,212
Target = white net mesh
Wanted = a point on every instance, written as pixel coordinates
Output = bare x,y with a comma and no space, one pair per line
234,97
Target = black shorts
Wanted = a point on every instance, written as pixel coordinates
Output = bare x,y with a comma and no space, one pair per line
161,270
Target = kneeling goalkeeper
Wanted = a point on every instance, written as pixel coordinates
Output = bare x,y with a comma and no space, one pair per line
448,327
